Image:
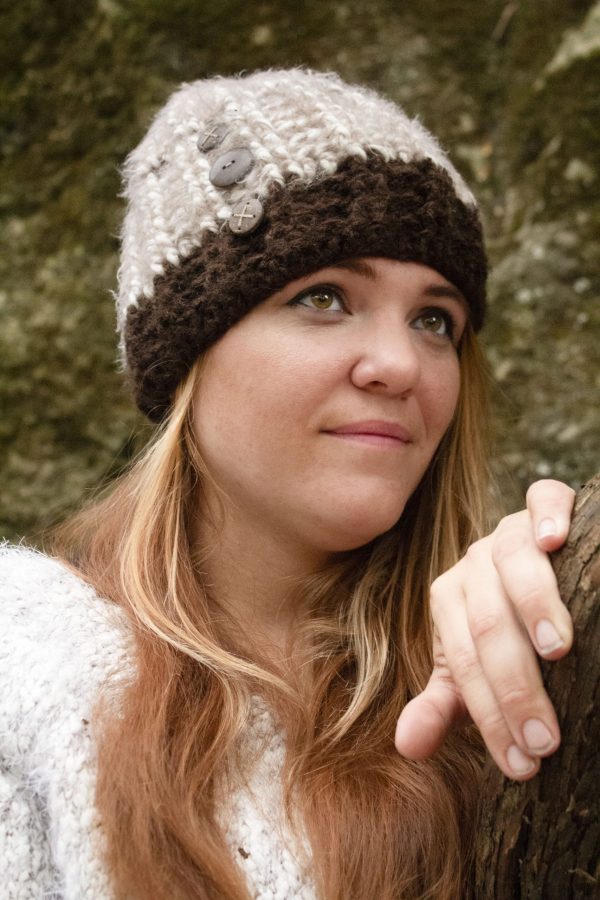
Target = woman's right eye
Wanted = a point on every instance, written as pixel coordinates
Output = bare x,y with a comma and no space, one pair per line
320,297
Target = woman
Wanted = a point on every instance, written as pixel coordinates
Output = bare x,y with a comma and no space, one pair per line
200,693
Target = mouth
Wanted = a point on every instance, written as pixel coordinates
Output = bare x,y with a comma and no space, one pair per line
378,433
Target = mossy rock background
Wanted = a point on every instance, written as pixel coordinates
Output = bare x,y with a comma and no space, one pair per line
511,89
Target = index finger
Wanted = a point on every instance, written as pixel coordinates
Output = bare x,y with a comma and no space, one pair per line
550,504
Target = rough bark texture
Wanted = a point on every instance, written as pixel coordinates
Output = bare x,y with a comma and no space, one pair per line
541,840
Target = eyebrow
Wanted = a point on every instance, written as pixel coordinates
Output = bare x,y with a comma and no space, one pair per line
359,266
364,268
445,290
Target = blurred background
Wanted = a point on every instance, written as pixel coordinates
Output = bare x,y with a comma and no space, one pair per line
512,89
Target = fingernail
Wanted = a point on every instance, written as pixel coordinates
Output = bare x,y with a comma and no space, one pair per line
547,637
519,763
537,737
546,528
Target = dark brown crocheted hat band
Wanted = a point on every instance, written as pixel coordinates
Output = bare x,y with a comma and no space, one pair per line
404,211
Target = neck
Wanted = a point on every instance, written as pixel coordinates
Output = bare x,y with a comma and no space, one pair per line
253,574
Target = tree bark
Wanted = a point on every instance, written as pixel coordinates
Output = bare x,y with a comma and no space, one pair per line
540,840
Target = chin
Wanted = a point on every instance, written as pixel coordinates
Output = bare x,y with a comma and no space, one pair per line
351,533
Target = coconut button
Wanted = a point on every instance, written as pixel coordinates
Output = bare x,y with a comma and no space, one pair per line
212,136
246,216
230,167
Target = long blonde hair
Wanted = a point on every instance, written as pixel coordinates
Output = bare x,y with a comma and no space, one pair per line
380,826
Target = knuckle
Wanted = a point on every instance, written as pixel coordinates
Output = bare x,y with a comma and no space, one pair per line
539,487
477,550
492,724
529,601
514,696
509,542
436,586
438,592
485,624
465,666
441,667
548,488
512,520
443,580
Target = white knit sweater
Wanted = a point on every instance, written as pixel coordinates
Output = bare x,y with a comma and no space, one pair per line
59,642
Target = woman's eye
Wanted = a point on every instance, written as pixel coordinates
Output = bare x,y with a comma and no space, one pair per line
323,298
437,321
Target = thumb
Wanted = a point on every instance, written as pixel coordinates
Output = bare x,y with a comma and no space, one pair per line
426,720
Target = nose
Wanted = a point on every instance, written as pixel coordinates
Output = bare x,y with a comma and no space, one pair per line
388,361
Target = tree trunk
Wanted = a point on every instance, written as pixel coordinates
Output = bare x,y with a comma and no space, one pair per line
540,840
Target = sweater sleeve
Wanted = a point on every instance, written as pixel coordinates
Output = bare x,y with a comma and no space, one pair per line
59,645
26,872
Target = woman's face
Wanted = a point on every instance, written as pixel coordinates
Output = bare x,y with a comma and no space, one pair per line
319,412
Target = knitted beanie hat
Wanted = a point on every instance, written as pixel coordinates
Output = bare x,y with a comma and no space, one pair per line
244,184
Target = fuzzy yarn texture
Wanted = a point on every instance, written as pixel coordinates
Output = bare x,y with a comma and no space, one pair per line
59,645
339,171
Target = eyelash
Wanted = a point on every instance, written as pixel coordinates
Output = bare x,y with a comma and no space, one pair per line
444,314
318,289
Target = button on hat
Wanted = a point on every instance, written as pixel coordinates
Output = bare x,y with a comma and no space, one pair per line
212,136
246,216
230,167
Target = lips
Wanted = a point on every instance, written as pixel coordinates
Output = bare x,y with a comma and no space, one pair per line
376,428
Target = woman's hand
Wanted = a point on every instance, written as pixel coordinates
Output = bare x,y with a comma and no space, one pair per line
492,611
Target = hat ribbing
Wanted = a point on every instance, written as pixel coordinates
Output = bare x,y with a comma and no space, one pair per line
339,172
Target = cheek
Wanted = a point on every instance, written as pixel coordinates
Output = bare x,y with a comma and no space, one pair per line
227,403
251,405
442,398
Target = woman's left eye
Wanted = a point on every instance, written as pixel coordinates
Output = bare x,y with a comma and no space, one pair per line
437,321
320,297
